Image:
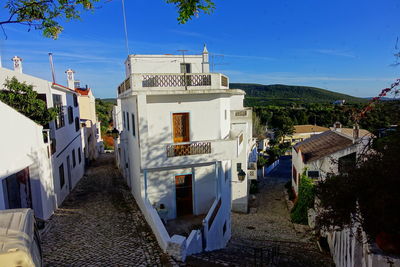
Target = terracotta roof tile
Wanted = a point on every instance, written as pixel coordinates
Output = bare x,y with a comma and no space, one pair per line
362,132
308,128
321,145
82,91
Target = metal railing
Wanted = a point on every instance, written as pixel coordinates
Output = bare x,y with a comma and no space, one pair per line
187,149
176,80
241,113
224,81
124,86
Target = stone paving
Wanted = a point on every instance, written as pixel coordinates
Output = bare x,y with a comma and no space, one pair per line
267,229
99,224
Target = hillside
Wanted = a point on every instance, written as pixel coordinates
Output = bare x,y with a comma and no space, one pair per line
258,94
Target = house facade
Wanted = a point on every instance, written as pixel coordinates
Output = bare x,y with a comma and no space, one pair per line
302,132
329,152
93,143
64,135
184,138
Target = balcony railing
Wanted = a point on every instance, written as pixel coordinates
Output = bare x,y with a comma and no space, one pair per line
241,114
174,81
187,149
124,86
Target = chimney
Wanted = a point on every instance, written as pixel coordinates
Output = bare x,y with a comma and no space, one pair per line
17,64
356,132
337,126
70,79
205,63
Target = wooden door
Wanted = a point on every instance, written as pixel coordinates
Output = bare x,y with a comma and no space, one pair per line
184,195
180,122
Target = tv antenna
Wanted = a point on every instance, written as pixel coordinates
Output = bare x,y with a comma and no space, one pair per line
184,66
213,64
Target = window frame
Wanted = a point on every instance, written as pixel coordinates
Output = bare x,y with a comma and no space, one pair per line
61,173
70,115
77,124
133,124
73,158
79,155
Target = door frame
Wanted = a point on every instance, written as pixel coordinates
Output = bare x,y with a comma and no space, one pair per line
194,210
172,124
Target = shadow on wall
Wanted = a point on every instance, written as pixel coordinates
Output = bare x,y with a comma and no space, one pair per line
44,200
154,150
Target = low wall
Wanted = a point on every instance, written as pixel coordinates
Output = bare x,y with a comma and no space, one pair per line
194,243
271,167
348,251
153,219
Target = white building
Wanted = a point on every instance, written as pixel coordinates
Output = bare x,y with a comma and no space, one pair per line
184,137
93,143
327,153
64,137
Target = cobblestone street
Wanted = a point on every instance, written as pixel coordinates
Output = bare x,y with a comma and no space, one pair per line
99,224
268,226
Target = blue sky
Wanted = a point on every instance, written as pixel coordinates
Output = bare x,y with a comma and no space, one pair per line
343,46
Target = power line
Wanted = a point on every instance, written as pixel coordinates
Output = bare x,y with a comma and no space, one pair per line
126,29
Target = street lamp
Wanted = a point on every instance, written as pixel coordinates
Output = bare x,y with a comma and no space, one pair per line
241,175
115,133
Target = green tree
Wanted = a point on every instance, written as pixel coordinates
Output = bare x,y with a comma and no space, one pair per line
23,98
46,15
367,194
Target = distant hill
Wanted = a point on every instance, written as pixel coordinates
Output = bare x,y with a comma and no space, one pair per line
259,94
112,100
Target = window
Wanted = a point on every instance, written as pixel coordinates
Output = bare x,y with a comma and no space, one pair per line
77,124
73,158
127,120
70,115
57,103
224,229
75,100
226,114
346,163
61,173
123,119
79,155
238,166
133,125
226,172
294,174
185,68
53,146
313,174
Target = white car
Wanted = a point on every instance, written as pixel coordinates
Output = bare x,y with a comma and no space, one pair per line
19,239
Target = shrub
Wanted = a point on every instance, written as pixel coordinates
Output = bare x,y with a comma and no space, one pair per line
305,200
254,187
290,191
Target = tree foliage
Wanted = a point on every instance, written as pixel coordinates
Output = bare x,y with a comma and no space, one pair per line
366,195
305,200
189,8
46,15
23,98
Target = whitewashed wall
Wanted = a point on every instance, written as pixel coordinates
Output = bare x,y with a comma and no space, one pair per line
161,188
163,63
68,139
23,146
204,123
349,250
